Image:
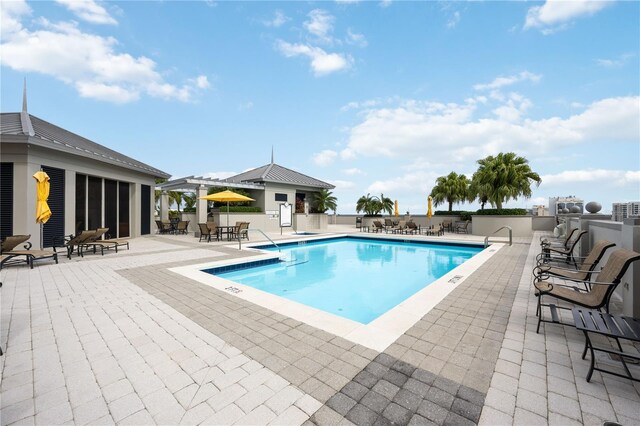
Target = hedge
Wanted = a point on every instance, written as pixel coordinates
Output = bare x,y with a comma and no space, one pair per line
241,209
503,212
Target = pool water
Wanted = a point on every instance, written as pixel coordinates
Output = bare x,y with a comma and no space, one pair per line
356,278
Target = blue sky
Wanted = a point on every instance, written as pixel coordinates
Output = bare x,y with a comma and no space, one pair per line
370,96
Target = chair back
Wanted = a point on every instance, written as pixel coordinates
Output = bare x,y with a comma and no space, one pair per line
377,224
387,222
182,225
567,241
204,229
81,238
98,234
13,241
595,255
612,272
575,242
412,225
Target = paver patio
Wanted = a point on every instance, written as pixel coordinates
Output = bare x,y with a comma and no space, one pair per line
121,339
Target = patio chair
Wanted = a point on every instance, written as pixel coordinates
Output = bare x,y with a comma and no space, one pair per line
567,253
598,294
558,242
447,224
182,227
436,230
164,226
556,267
205,232
463,228
72,243
242,231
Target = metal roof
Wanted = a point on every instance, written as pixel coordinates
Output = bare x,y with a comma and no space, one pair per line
279,174
54,137
191,183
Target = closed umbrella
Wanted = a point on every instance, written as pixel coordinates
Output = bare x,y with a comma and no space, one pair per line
429,207
43,212
396,211
226,196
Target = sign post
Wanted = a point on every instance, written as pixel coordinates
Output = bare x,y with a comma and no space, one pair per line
286,216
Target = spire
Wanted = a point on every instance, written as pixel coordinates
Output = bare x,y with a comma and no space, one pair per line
271,154
25,120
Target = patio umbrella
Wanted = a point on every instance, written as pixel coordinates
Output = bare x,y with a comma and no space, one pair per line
229,197
396,211
429,207
43,212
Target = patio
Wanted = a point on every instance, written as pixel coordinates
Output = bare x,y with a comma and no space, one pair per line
121,339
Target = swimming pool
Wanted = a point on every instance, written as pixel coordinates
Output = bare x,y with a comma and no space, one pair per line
356,278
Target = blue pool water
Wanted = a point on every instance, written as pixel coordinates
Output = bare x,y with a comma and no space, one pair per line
356,278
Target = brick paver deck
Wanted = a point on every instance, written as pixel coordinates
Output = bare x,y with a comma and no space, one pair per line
121,339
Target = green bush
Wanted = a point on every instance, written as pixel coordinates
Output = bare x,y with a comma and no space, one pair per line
465,215
503,212
189,210
240,209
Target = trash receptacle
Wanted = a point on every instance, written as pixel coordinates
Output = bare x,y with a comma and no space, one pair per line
358,222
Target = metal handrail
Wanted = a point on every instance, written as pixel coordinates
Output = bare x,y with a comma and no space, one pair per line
260,231
486,239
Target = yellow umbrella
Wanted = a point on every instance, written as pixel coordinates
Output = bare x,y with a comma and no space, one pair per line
43,212
228,196
429,207
397,211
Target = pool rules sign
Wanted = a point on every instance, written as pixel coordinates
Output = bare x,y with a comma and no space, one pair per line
286,216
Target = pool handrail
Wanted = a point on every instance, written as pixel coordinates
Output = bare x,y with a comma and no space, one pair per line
486,239
260,231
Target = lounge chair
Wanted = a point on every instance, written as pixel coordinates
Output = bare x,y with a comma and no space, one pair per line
463,228
548,251
399,228
388,224
72,243
556,267
96,242
412,228
378,226
598,294
11,253
435,230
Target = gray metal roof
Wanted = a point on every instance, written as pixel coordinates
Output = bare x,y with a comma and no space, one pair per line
191,183
54,137
279,174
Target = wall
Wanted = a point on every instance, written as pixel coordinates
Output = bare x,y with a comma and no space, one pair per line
310,222
422,220
487,225
543,223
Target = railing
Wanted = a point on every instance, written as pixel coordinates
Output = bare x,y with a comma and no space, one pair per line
486,239
260,231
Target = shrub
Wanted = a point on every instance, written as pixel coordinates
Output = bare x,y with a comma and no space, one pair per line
502,212
240,209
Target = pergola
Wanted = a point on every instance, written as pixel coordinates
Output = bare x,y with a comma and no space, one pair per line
199,185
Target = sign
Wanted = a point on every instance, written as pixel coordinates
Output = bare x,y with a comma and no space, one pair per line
286,215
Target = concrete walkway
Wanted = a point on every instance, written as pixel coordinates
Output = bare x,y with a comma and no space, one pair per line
120,339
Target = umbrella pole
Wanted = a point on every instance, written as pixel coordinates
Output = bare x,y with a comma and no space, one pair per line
227,213
41,236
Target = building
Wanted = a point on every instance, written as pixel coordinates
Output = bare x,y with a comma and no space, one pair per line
270,185
539,210
621,211
92,186
572,204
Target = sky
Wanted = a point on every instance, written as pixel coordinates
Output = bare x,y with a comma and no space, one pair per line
373,97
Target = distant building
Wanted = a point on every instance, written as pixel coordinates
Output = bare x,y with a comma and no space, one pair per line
540,210
558,204
621,211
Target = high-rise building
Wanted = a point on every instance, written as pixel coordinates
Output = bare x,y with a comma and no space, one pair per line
621,211
557,205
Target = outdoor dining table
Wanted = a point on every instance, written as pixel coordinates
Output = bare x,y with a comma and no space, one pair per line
225,229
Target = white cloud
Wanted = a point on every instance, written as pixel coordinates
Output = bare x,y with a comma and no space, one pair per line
600,176
10,14
500,82
89,10
414,182
457,131
615,63
385,3
322,63
353,171
342,184
88,62
320,24
361,105
325,157
356,39
278,20
453,20
556,15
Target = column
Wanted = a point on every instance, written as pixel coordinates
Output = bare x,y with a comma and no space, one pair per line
201,207
630,282
164,206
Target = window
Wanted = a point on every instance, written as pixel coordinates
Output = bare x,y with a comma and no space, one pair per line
281,197
95,203
81,203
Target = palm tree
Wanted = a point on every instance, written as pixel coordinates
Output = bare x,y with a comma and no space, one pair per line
325,201
189,199
479,191
505,176
386,204
367,204
453,188
175,197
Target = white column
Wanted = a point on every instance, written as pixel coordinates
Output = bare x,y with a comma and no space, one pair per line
164,206
201,207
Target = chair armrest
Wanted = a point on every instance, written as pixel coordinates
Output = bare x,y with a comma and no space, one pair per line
583,281
28,246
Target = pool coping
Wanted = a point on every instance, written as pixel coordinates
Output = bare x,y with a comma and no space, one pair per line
379,333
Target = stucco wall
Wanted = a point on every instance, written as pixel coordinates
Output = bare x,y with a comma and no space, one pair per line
487,225
543,223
